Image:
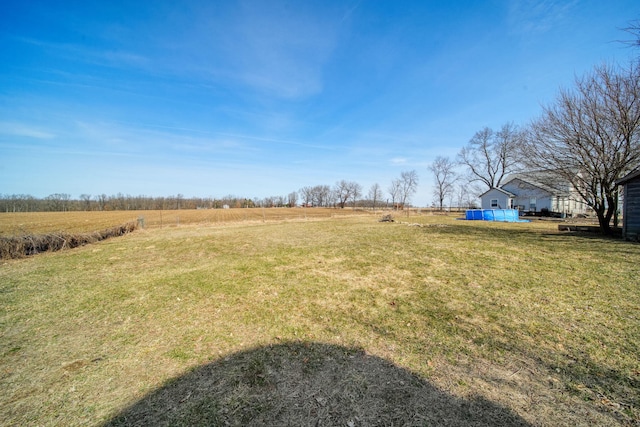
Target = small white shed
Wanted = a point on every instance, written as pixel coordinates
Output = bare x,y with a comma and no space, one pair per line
497,198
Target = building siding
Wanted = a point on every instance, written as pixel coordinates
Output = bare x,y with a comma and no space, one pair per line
525,192
631,209
529,197
494,193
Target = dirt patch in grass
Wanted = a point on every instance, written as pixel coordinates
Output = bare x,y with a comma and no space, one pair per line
308,384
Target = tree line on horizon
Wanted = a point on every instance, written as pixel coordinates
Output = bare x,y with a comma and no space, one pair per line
343,194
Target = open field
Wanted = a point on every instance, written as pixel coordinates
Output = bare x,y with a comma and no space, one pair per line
338,321
82,222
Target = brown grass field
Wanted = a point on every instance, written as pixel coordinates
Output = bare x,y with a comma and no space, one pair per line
82,222
323,317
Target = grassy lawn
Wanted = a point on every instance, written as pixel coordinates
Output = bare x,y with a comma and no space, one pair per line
338,321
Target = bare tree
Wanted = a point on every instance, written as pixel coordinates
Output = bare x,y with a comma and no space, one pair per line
102,201
394,191
268,202
356,193
322,195
445,177
58,202
307,195
461,195
292,199
345,191
590,137
634,30
20,203
490,156
408,186
342,190
86,199
466,194
375,194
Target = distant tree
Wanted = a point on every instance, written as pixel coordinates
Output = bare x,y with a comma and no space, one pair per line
101,199
322,195
490,156
345,191
444,176
375,194
230,200
356,193
590,137
19,203
466,194
58,202
292,199
86,201
394,191
408,186
161,203
342,190
307,195
118,201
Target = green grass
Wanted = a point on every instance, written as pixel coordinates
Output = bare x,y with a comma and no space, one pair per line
513,316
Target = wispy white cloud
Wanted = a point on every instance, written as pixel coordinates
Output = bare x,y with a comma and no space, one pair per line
280,49
349,11
396,161
156,141
19,129
276,48
537,16
83,53
206,137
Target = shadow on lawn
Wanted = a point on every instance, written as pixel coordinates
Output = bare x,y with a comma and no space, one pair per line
308,384
481,230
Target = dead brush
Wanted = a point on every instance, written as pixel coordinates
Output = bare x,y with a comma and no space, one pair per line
12,247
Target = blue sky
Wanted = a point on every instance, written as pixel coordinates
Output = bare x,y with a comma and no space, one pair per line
260,98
